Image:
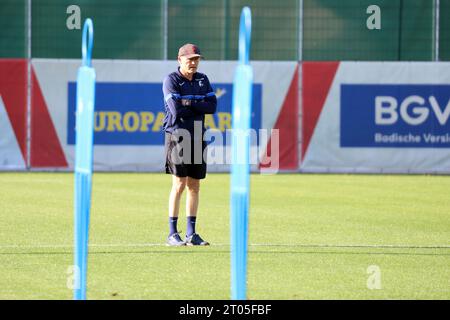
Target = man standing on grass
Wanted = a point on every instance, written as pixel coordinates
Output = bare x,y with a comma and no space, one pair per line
188,96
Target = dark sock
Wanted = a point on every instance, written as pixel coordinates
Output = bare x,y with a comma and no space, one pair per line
173,225
190,226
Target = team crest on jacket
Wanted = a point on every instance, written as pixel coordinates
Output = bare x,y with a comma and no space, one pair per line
200,81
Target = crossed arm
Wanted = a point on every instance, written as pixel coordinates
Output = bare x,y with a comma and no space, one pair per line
188,105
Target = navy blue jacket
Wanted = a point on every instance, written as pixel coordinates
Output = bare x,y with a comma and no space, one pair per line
203,101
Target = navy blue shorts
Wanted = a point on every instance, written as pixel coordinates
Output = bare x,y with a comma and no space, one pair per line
182,164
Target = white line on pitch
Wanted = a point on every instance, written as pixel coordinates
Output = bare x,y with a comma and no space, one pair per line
136,245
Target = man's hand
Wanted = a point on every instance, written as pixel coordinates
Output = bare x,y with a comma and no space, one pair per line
186,102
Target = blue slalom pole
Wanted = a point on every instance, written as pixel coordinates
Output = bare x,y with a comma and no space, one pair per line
83,159
240,155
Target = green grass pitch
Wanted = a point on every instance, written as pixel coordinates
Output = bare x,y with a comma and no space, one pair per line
311,237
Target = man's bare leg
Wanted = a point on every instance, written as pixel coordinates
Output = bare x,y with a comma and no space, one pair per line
178,185
192,197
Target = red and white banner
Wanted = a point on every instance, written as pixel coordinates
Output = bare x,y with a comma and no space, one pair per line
129,112
376,117
356,116
13,115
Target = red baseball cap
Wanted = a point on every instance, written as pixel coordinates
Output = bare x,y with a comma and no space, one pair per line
189,50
